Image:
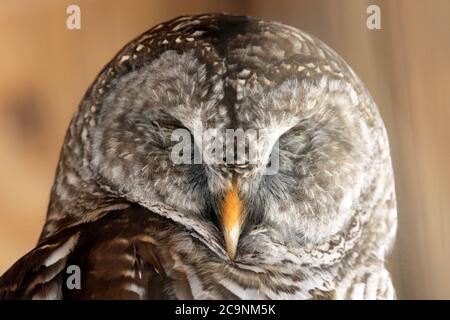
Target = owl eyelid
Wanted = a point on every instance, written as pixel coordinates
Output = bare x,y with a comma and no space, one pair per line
169,124
300,147
297,128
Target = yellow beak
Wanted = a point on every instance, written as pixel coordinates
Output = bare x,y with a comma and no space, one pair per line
231,215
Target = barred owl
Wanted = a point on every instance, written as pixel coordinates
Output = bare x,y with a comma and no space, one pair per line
139,226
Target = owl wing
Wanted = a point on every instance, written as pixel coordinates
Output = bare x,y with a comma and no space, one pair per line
115,256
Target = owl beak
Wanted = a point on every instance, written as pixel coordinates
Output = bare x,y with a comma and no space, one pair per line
231,215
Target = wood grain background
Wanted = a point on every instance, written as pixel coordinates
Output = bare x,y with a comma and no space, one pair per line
45,69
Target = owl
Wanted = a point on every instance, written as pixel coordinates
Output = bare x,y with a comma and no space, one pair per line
136,224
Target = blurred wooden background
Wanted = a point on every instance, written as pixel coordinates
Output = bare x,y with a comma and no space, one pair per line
45,69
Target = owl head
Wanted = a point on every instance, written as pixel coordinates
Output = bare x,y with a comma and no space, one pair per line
186,89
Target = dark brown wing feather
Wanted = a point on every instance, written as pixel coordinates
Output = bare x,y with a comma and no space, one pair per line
117,256
30,275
